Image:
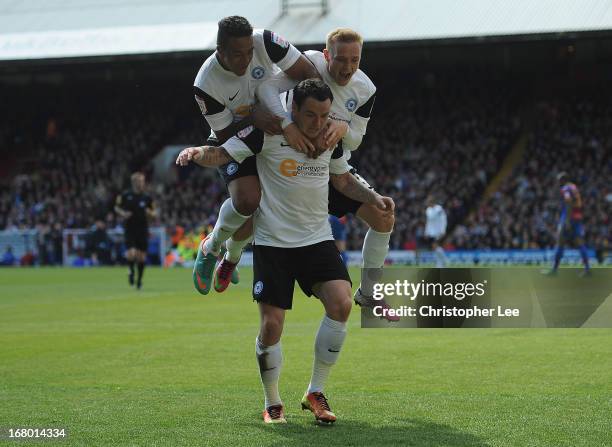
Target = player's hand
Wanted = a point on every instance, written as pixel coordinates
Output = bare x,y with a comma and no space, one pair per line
384,203
335,132
189,154
266,121
298,141
319,142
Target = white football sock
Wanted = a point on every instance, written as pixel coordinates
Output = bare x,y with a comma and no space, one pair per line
228,222
374,252
270,359
328,344
234,249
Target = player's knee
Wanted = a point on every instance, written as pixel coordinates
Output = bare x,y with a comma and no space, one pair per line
247,202
271,330
383,222
341,307
388,222
345,307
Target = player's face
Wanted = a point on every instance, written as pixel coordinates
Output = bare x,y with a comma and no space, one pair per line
343,60
312,116
236,54
138,183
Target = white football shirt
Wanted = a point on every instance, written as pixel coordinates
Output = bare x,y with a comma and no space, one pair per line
293,211
353,102
225,98
436,221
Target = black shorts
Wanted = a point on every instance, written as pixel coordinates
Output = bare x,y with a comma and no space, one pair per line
233,170
276,270
339,204
137,238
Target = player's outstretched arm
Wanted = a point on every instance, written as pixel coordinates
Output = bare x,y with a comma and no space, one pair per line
348,185
207,156
302,69
269,93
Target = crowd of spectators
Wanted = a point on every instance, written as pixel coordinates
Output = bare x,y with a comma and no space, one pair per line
572,135
444,140
433,136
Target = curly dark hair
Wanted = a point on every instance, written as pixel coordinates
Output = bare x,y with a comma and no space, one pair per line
232,26
311,88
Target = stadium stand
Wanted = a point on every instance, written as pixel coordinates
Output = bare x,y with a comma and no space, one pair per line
449,115
572,134
434,135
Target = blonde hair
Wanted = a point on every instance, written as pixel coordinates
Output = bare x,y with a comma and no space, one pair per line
136,174
345,35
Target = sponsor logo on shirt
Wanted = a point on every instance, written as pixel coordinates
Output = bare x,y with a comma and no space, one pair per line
336,117
245,132
258,72
242,111
292,168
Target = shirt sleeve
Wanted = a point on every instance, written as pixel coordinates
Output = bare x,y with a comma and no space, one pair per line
356,131
216,114
281,52
338,165
237,149
249,141
365,110
269,93
359,124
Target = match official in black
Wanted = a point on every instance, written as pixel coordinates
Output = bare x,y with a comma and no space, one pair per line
136,207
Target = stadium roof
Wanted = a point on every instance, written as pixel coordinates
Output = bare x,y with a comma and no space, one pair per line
33,29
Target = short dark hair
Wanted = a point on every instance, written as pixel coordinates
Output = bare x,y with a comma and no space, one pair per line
232,26
311,88
562,177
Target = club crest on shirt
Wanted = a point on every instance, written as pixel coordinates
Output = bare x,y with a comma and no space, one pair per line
351,104
231,168
258,72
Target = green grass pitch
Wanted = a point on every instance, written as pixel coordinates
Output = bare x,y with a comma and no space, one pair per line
165,366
